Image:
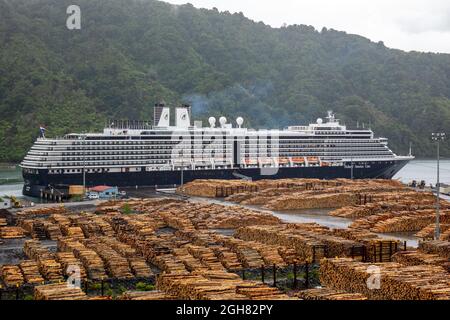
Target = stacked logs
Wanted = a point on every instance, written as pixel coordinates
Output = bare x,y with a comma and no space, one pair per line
206,256
11,232
91,261
247,256
439,247
413,258
42,211
296,201
224,286
72,232
421,201
401,221
70,263
3,222
146,295
390,280
328,294
58,292
428,232
190,262
116,265
30,271
12,276
48,266
139,267
53,231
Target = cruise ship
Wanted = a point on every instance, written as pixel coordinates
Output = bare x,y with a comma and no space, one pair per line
165,154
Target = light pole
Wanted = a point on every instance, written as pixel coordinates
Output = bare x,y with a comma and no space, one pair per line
439,136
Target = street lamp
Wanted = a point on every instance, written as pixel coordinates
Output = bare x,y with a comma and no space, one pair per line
438,136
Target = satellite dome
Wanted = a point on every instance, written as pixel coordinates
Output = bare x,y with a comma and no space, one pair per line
222,120
239,121
319,120
212,122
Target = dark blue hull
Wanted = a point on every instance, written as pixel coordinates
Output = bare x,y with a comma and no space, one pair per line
376,169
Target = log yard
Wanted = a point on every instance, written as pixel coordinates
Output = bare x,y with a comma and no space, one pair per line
223,240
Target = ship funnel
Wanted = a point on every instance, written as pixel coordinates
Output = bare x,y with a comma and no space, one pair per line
161,115
183,116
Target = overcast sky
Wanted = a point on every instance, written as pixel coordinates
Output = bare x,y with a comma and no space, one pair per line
422,25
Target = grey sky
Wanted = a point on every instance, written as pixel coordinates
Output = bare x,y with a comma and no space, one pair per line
422,25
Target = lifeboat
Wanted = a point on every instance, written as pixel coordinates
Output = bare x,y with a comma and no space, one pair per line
250,161
312,159
265,161
298,160
283,161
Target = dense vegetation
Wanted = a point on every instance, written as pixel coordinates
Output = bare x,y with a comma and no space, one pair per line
130,54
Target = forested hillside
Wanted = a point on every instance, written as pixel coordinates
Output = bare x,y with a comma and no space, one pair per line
130,54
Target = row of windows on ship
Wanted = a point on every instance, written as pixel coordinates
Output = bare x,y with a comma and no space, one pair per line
251,153
249,149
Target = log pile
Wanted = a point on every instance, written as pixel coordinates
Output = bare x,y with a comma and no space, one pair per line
420,201
116,265
413,258
53,231
30,271
3,222
51,270
169,264
69,263
12,276
439,247
228,258
11,232
91,261
206,256
42,211
397,282
60,291
73,232
139,267
34,250
247,256
427,233
328,294
401,221
190,262
223,286
297,201
146,295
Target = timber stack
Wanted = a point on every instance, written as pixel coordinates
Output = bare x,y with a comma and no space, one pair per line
396,282
12,276
328,294
59,291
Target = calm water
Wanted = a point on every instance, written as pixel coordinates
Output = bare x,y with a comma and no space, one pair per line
424,170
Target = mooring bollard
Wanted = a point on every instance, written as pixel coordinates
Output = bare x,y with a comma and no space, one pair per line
243,274
404,245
